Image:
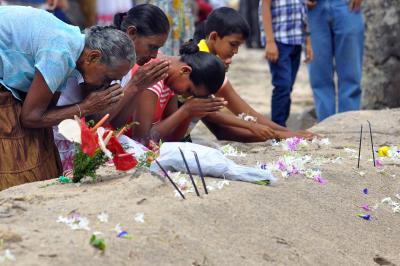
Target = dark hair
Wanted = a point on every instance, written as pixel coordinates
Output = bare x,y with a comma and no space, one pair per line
207,69
148,19
226,21
199,31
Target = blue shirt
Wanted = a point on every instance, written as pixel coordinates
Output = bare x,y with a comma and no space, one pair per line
289,20
33,39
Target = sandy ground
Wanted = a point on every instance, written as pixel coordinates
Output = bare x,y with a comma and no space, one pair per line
296,222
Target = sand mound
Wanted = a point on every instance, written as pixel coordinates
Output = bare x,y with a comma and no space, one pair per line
299,221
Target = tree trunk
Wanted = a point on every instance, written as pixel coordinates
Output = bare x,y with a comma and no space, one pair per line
381,76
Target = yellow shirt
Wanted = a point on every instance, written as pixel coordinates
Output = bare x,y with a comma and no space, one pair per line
203,47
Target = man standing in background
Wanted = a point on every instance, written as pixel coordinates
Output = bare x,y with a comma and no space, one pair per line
337,36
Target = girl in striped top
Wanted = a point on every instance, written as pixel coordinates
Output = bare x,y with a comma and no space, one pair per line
194,75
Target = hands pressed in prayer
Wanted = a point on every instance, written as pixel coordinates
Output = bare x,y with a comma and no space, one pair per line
149,74
200,107
98,101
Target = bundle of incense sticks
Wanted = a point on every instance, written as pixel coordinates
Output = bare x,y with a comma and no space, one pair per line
372,145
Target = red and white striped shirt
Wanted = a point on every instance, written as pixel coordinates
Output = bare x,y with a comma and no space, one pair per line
164,94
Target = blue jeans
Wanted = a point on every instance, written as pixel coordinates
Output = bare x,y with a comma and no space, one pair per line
337,37
284,73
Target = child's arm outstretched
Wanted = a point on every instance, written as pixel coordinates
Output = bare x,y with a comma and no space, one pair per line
238,106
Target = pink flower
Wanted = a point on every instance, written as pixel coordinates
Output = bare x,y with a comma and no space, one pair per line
366,207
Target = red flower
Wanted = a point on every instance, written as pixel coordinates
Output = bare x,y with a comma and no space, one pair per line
114,146
89,139
124,162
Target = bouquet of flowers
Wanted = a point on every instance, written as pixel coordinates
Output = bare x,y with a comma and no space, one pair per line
94,146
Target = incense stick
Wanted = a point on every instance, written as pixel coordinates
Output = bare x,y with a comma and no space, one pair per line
122,131
200,172
359,148
372,143
190,173
100,123
170,180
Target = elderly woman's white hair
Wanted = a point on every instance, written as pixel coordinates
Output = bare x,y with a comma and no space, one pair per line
113,44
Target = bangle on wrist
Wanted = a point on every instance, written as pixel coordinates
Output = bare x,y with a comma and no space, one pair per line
80,111
307,33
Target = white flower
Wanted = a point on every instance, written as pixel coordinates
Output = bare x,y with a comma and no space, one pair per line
139,217
351,151
100,132
117,228
396,209
221,184
247,117
103,217
71,130
387,200
324,141
7,256
337,160
229,150
97,233
75,222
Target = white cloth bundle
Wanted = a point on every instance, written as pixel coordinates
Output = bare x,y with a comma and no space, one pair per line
213,163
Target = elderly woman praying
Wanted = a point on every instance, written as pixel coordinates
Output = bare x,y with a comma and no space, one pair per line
38,56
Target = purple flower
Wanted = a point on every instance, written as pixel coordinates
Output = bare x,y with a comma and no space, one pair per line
366,207
281,165
294,170
293,143
124,234
365,191
365,217
320,180
378,163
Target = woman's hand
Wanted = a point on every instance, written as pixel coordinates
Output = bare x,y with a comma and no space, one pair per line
198,107
262,131
149,74
99,101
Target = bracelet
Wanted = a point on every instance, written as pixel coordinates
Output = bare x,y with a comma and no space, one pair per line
80,112
307,33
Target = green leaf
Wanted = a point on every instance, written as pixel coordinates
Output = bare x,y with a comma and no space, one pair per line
85,165
262,182
98,243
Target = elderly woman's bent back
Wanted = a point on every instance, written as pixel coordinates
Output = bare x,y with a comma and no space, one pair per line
38,54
